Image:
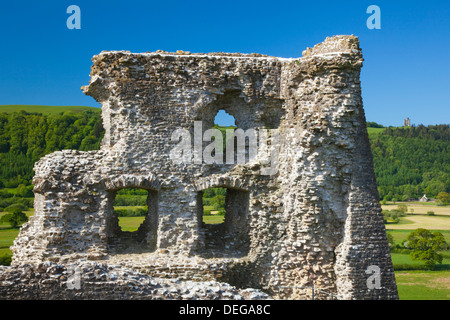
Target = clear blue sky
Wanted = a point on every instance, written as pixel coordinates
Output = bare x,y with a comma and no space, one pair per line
406,72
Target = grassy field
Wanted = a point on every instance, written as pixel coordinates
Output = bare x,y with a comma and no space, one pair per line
8,234
418,208
423,285
130,223
45,109
420,219
372,131
7,237
213,219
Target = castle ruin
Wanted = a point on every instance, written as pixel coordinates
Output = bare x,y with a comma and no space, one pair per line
315,222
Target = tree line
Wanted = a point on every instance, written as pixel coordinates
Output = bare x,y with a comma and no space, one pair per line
26,137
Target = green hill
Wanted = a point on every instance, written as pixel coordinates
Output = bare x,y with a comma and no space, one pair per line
28,135
374,131
411,161
45,109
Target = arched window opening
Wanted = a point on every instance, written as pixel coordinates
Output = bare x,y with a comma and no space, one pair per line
224,119
134,219
217,148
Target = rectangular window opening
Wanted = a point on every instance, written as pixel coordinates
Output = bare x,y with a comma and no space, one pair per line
133,220
223,220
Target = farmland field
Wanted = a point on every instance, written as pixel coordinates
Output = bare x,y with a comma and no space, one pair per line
420,219
423,285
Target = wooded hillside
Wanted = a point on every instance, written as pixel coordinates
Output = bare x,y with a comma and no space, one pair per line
411,161
26,137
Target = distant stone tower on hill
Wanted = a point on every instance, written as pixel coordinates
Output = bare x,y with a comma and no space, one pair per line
406,122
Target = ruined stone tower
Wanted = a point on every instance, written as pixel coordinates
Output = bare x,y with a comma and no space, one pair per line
316,221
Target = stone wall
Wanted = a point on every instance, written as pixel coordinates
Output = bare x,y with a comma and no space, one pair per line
316,221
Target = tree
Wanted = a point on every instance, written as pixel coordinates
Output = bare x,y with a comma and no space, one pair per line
390,239
391,216
221,191
425,244
14,218
208,193
218,202
443,198
372,124
402,208
26,137
24,191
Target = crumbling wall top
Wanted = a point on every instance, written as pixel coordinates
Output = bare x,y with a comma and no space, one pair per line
336,44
